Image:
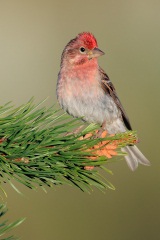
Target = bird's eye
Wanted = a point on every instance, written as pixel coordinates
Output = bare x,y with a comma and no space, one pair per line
82,49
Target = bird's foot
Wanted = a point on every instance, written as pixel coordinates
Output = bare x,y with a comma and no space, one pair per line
76,131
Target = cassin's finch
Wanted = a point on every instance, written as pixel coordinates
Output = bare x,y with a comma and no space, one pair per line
85,90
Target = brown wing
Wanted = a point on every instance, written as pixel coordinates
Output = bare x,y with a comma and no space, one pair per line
109,89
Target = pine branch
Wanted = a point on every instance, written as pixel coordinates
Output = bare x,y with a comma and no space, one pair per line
5,227
38,146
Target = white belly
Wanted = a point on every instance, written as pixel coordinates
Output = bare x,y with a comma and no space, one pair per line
87,100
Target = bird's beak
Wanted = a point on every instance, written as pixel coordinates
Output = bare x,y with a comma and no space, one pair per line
96,52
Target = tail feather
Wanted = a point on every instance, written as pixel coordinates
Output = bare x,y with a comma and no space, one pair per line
134,156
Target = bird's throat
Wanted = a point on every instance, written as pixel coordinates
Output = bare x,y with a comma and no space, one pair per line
84,72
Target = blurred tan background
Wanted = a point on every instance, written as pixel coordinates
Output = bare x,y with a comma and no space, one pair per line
32,37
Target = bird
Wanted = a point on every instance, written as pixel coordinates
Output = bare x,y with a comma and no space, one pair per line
85,90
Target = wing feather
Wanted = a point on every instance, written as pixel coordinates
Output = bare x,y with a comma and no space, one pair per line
108,88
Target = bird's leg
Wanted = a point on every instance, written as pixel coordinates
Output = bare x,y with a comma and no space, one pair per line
101,130
77,130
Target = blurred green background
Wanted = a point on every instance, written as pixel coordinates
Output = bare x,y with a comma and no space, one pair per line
32,36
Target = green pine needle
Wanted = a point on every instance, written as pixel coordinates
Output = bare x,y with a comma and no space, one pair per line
38,147
4,226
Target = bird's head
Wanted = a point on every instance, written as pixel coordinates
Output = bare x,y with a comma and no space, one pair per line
81,49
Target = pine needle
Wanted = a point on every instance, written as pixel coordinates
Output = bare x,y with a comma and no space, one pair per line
38,147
